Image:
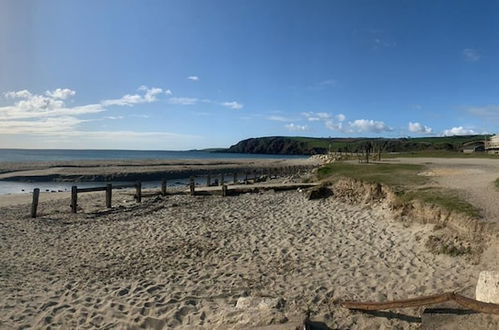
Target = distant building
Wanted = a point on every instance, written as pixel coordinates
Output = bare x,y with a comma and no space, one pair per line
492,145
475,146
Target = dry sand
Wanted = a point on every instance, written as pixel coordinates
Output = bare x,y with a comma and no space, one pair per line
184,261
472,178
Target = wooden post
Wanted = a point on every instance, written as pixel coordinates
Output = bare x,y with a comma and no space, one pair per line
163,187
192,186
138,192
246,176
109,194
224,190
208,180
74,198
254,175
222,179
235,177
34,205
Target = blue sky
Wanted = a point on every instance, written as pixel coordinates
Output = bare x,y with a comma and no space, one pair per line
195,74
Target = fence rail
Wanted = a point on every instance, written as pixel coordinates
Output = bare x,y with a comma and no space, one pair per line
250,176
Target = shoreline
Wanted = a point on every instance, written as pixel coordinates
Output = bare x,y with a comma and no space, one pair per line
134,170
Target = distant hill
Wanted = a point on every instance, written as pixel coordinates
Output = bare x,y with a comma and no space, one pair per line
285,145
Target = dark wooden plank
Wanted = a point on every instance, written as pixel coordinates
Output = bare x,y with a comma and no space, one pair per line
109,194
34,205
84,190
74,198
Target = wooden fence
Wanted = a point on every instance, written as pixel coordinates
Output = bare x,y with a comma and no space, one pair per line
249,177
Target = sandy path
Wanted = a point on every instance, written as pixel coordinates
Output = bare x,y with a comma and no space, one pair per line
474,178
185,261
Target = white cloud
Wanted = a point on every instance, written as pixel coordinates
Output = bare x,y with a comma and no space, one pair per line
183,100
149,96
471,55
317,116
168,92
334,126
357,126
233,105
49,114
366,125
419,128
23,94
293,127
193,78
460,130
40,106
61,93
341,117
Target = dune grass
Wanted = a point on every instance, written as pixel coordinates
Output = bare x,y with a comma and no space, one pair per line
497,183
404,179
395,175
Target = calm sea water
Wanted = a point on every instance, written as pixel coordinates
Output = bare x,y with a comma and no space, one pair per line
35,155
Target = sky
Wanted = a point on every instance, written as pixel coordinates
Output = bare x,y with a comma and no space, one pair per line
185,74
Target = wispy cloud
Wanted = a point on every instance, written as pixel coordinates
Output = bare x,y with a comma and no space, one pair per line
183,100
419,128
149,96
296,128
471,55
233,105
279,118
488,112
193,78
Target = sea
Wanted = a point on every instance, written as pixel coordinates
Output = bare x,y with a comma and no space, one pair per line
46,155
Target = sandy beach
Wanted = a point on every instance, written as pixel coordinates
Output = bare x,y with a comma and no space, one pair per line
212,262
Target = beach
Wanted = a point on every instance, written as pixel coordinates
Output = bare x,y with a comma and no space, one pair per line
125,170
206,262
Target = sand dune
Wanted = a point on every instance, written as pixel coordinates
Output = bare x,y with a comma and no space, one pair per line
186,262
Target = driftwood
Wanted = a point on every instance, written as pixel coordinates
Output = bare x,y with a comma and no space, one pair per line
475,305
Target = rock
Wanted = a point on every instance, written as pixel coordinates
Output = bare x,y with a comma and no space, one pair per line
320,192
487,287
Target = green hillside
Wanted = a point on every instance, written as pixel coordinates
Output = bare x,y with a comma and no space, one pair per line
309,146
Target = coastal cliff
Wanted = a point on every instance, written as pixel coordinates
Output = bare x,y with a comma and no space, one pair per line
285,145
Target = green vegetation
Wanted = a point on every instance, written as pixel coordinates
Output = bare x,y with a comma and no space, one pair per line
309,145
405,181
497,183
395,175
445,198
